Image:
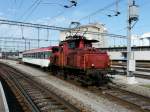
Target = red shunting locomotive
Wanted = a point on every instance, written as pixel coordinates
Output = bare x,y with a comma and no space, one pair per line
76,58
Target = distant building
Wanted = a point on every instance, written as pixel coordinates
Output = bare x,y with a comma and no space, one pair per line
142,40
95,27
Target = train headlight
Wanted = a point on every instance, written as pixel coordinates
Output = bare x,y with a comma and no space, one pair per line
93,66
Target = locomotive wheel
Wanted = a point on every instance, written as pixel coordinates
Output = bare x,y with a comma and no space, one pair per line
97,78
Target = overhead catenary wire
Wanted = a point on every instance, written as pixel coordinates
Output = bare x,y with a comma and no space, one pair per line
29,8
29,14
99,10
21,3
16,23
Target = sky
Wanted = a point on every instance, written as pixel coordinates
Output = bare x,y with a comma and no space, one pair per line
52,12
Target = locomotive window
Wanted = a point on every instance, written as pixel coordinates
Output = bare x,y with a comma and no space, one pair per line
55,49
72,45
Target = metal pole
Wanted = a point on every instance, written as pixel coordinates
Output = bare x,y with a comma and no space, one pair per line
128,38
25,45
29,45
38,37
114,42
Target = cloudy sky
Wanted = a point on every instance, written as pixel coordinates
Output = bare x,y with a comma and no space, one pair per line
52,12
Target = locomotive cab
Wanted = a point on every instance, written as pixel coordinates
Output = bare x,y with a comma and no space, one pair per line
79,42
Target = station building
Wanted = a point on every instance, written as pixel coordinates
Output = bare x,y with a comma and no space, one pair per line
92,27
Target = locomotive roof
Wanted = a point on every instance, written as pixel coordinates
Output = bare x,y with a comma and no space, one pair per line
77,38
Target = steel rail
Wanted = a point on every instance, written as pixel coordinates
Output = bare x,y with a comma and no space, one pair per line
31,80
33,107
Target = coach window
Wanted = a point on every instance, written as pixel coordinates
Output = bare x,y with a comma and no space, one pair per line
46,56
41,55
36,55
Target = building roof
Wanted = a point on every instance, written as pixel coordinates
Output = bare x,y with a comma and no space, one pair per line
134,48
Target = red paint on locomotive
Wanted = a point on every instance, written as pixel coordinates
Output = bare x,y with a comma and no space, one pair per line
77,52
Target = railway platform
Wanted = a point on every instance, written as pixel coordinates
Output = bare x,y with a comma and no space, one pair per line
3,102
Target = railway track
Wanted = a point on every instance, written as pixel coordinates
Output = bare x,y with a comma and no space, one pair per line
33,96
140,72
138,64
122,97
141,102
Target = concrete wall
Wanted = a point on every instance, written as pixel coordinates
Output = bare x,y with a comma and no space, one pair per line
137,55
142,55
115,55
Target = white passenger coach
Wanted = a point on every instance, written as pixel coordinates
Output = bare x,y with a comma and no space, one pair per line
40,57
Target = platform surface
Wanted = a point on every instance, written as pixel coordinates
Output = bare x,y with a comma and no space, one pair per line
3,102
